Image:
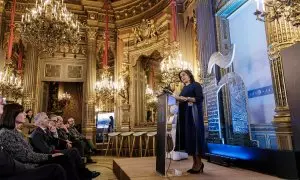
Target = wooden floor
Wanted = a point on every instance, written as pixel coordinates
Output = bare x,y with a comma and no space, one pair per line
144,169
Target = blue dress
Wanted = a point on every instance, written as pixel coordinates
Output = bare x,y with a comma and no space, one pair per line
190,125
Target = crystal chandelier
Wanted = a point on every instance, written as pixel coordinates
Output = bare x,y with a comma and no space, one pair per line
64,96
106,87
10,84
172,64
151,99
49,25
288,9
63,100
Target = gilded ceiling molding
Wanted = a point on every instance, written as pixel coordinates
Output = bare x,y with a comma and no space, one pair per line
146,11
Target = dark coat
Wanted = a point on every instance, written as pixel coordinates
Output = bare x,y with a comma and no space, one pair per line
44,142
62,134
8,165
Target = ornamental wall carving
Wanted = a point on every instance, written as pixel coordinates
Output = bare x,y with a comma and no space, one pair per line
147,32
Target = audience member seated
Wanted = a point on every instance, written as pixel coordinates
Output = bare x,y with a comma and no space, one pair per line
28,126
45,140
14,170
63,133
76,136
19,149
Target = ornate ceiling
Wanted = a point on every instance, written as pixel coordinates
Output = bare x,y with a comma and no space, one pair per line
123,13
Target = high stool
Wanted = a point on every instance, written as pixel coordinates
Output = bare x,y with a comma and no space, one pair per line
125,136
150,135
139,136
114,138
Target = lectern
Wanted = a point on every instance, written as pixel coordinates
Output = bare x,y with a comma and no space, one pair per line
164,100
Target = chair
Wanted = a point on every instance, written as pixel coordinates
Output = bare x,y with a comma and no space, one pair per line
139,136
125,136
150,135
112,137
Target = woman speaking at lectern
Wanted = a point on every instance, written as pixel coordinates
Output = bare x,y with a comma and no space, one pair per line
190,125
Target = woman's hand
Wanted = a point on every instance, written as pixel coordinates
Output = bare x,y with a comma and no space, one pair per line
57,154
180,98
191,99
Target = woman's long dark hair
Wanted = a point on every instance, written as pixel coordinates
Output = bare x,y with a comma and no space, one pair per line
29,117
10,112
189,73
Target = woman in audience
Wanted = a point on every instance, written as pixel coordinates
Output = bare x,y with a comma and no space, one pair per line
29,126
14,170
19,149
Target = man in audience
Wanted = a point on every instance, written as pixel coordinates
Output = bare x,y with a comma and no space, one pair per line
76,136
64,134
45,140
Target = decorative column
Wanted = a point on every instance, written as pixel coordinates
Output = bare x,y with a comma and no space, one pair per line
281,34
89,124
30,74
2,31
125,107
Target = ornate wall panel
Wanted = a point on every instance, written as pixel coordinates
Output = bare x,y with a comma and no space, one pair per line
63,69
52,70
75,72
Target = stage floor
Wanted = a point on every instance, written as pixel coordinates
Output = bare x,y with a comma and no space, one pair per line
144,169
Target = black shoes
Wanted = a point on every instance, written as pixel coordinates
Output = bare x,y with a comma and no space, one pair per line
94,174
88,175
192,171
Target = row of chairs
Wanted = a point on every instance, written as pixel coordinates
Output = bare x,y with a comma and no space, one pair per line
130,141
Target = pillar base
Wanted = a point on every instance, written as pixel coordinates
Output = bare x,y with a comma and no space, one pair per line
282,123
125,124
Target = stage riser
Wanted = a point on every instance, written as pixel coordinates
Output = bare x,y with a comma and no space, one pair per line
283,164
119,173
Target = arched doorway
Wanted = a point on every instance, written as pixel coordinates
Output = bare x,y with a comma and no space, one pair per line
145,73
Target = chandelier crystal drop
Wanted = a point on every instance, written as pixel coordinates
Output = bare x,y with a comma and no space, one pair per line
49,25
275,9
